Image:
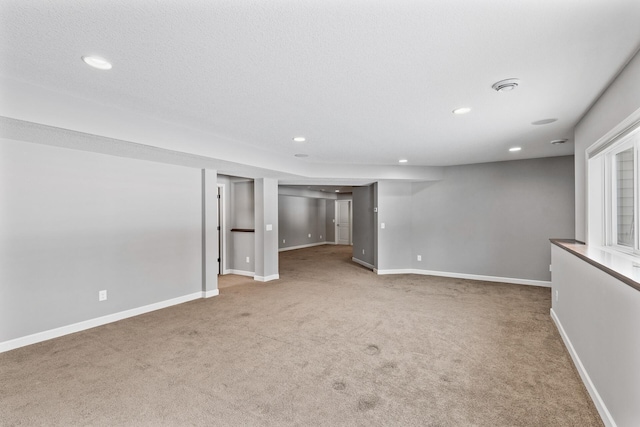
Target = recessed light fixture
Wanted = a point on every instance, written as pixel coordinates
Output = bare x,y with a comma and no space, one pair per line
299,139
506,85
403,161
543,122
97,62
337,191
514,149
463,110
301,155
558,141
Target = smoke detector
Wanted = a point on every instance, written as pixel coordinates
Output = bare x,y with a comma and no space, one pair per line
506,85
558,141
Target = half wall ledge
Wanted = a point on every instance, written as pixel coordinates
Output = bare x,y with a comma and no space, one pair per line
619,266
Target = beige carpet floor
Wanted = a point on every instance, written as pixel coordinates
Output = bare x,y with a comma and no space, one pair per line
330,344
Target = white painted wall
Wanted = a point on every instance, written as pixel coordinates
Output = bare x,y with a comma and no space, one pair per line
73,223
599,318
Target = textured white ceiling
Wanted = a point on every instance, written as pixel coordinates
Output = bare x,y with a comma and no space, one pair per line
367,83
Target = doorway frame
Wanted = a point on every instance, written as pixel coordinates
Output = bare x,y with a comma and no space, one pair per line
222,233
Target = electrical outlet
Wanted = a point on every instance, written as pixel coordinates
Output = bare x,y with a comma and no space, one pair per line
556,295
419,257
248,259
284,241
382,225
102,295
363,252
550,267
321,236
309,235
333,220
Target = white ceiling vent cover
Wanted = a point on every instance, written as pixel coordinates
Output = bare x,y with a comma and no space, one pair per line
506,85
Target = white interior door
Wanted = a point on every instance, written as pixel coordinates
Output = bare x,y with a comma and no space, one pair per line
343,222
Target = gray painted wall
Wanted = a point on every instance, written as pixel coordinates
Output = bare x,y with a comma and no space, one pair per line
618,102
242,216
600,316
330,221
363,224
73,223
394,210
225,181
493,219
592,304
300,216
266,235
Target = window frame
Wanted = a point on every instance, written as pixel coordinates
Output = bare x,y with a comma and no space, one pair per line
610,193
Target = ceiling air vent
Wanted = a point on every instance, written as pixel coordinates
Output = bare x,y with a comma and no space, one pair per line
506,85
558,141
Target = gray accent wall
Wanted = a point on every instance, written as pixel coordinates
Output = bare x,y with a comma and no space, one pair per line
266,234
242,216
493,219
363,224
300,216
619,101
394,211
73,223
330,220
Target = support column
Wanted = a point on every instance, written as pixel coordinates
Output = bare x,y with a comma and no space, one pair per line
209,233
266,229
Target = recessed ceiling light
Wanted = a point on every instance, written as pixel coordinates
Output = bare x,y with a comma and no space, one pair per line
543,122
301,155
337,191
506,85
299,139
559,141
97,62
463,110
403,161
514,149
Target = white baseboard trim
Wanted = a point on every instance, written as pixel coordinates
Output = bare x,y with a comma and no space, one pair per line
607,419
242,273
528,282
396,271
211,293
362,263
310,245
266,278
92,323
226,271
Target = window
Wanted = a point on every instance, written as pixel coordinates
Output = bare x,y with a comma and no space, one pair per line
625,198
621,194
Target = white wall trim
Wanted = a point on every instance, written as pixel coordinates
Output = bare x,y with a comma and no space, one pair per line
591,388
396,271
92,323
241,272
528,282
267,278
211,293
362,263
308,245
